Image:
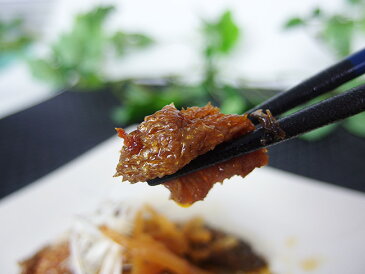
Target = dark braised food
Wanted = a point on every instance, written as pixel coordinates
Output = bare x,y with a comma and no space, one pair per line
195,186
153,245
169,139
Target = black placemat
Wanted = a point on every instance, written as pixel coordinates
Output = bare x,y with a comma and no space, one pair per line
42,138
338,159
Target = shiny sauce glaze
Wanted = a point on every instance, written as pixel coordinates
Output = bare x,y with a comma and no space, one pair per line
169,139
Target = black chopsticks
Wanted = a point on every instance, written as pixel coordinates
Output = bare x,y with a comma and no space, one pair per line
323,113
322,82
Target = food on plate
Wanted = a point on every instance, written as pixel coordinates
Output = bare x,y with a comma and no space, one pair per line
170,138
50,259
145,242
194,187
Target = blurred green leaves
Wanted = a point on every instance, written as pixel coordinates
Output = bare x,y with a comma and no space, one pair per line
124,42
338,32
141,100
356,124
319,133
76,58
232,100
354,1
13,38
294,22
220,36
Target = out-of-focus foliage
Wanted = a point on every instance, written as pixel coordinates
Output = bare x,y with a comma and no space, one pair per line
139,101
76,58
338,32
13,39
220,38
124,42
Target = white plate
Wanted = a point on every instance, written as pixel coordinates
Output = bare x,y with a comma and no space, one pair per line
295,222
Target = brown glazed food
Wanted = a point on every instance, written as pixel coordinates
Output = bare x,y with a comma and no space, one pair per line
194,187
156,245
169,139
51,259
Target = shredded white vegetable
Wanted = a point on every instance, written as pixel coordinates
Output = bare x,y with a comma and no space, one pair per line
91,251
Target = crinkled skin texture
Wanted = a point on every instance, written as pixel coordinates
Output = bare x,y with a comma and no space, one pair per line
193,187
169,139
